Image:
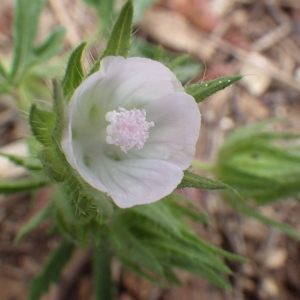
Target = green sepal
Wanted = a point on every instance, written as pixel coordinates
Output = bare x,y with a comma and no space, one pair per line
120,39
59,111
27,162
51,45
53,165
79,213
74,72
19,186
52,270
42,124
200,91
196,181
33,223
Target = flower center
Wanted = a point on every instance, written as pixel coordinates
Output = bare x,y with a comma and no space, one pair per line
128,129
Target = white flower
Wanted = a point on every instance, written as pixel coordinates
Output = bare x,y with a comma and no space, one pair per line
131,130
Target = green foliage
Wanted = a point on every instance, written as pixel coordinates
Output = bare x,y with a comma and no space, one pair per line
74,73
102,270
193,180
26,17
25,53
200,91
259,164
79,215
119,42
42,124
20,186
153,240
33,223
183,66
52,270
29,163
120,39
50,46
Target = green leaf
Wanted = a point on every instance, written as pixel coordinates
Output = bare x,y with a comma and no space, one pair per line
201,270
19,186
74,73
120,39
29,163
160,215
193,180
119,42
186,208
200,91
52,270
33,223
26,17
128,264
51,46
169,247
127,247
42,124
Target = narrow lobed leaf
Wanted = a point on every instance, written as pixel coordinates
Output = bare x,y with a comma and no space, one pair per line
20,186
119,42
120,39
51,45
127,247
33,223
52,270
200,91
29,163
26,17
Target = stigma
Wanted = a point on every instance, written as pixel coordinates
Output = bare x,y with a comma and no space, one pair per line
128,129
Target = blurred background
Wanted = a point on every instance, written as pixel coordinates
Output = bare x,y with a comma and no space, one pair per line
259,39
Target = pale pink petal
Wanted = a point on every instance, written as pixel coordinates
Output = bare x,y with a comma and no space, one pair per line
134,82
137,181
174,136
